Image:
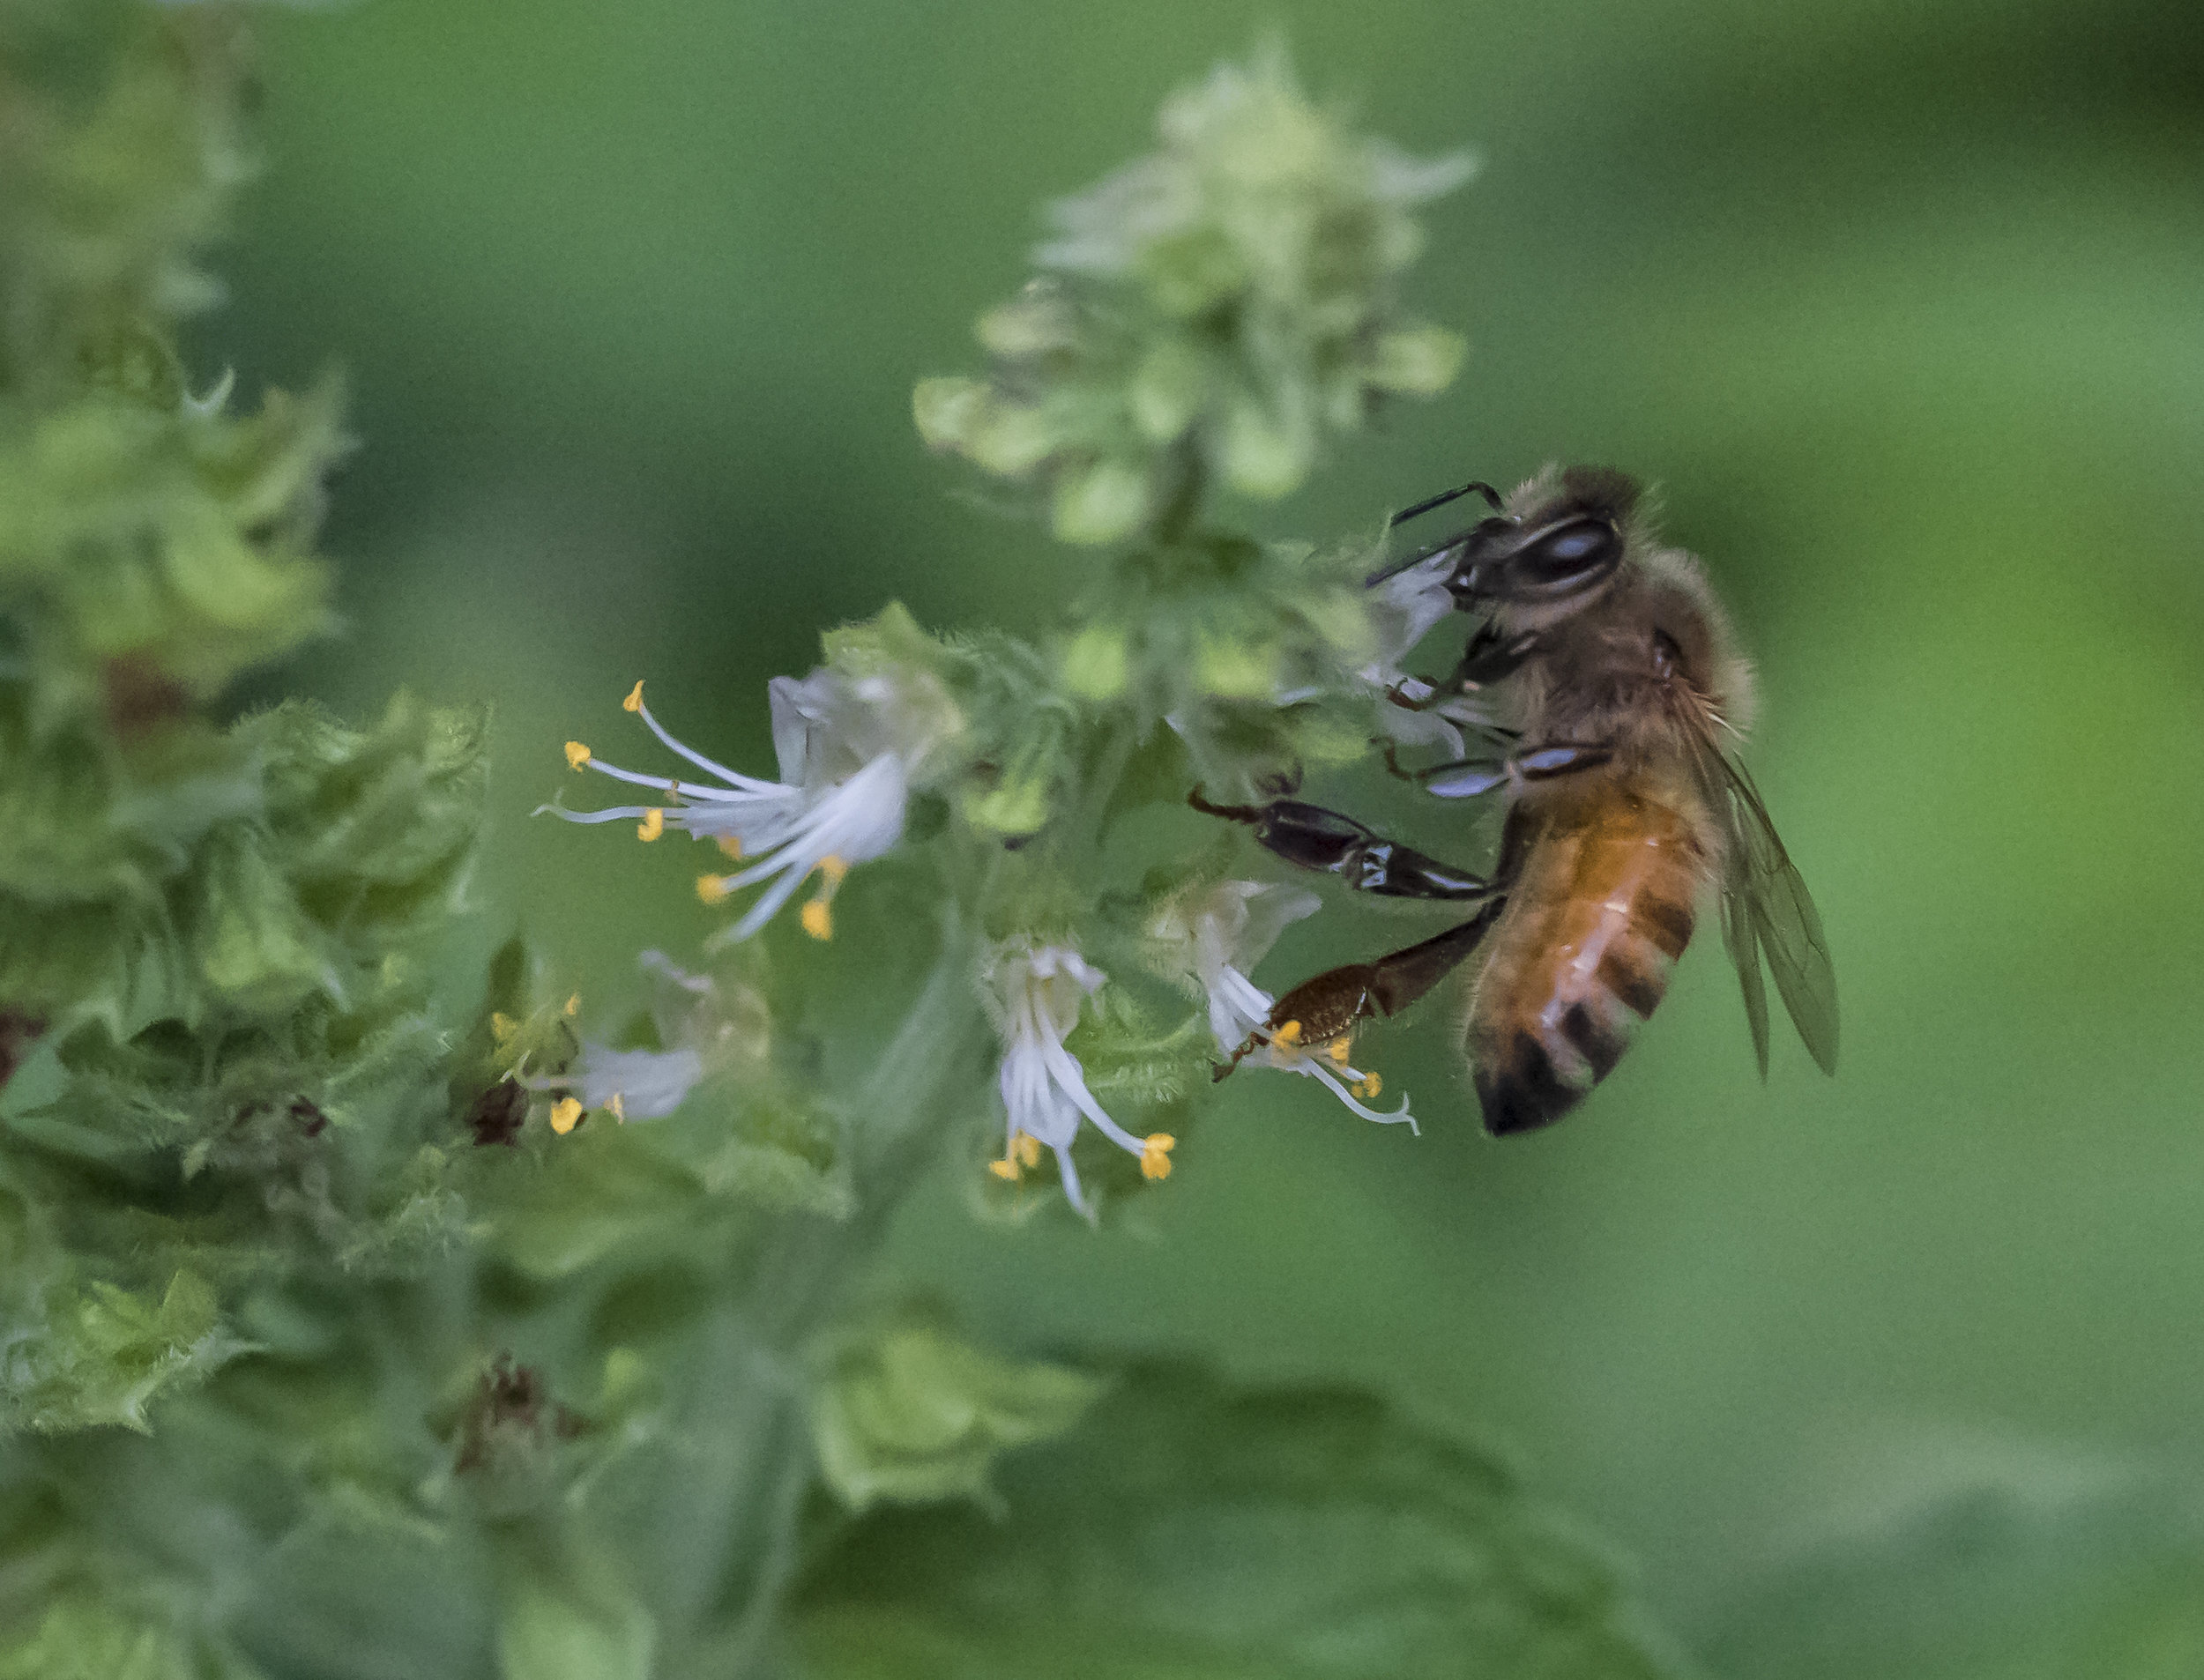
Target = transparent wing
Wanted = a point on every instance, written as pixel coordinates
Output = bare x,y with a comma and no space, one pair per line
1768,913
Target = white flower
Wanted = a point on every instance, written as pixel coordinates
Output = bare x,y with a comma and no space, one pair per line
1404,608
636,1084
1034,995
1284,1050
1216,937
848,748
702,1032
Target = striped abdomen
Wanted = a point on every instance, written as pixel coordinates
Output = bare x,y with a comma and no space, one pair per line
1608,867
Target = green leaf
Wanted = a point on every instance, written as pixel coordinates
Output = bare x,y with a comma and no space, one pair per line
911,1411
2031,1578
104,1353
1192,1530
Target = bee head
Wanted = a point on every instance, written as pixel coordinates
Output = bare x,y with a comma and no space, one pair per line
1553,541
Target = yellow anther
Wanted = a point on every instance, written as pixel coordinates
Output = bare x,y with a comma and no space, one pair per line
566,1114
503,1027
574,1005
1288,1035
634,701
619,1109
1155,1155
577,755
1339,1050
731,844
1370,1087
818,918
1005,1169
654,824
712,889
1027,1149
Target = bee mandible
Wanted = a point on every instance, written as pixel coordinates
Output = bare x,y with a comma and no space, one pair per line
1611,697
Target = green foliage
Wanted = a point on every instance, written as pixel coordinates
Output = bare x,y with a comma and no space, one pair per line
908,1411
85,1637
123,147
1190,1529
104,1353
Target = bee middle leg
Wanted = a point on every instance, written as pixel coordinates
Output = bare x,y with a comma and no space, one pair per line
1312,838
1469,779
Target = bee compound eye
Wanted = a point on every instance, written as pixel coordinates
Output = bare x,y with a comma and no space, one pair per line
1571,556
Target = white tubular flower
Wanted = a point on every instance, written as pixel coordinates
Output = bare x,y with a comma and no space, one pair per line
1283,1049
1216,937
849,749
703,1033
636,1084
1404,609
1035,996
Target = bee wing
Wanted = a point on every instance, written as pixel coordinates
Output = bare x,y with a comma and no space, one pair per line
1767,911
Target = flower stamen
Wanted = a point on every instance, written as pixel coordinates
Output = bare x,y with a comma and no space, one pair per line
1155,1155
577,755
566,1114
654,824
818,914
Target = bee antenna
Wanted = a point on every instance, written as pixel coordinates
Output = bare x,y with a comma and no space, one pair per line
1443,498
1416,558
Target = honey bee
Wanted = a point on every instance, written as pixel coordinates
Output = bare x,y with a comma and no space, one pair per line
1610,691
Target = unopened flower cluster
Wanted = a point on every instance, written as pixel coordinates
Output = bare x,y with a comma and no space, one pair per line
1213,308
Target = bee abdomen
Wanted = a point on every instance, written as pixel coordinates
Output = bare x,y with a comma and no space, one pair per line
1601,910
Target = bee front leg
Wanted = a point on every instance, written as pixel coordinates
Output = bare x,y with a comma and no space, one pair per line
1312,838
1489,655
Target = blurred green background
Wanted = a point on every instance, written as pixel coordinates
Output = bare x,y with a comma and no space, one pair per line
1901,302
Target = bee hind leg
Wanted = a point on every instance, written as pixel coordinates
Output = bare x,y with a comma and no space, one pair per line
1333,1003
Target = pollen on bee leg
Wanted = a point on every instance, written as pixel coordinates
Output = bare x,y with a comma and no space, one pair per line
712,888
1339,1049
1155,1155
1288,1035
566,1114
577,755
654,824
634,701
